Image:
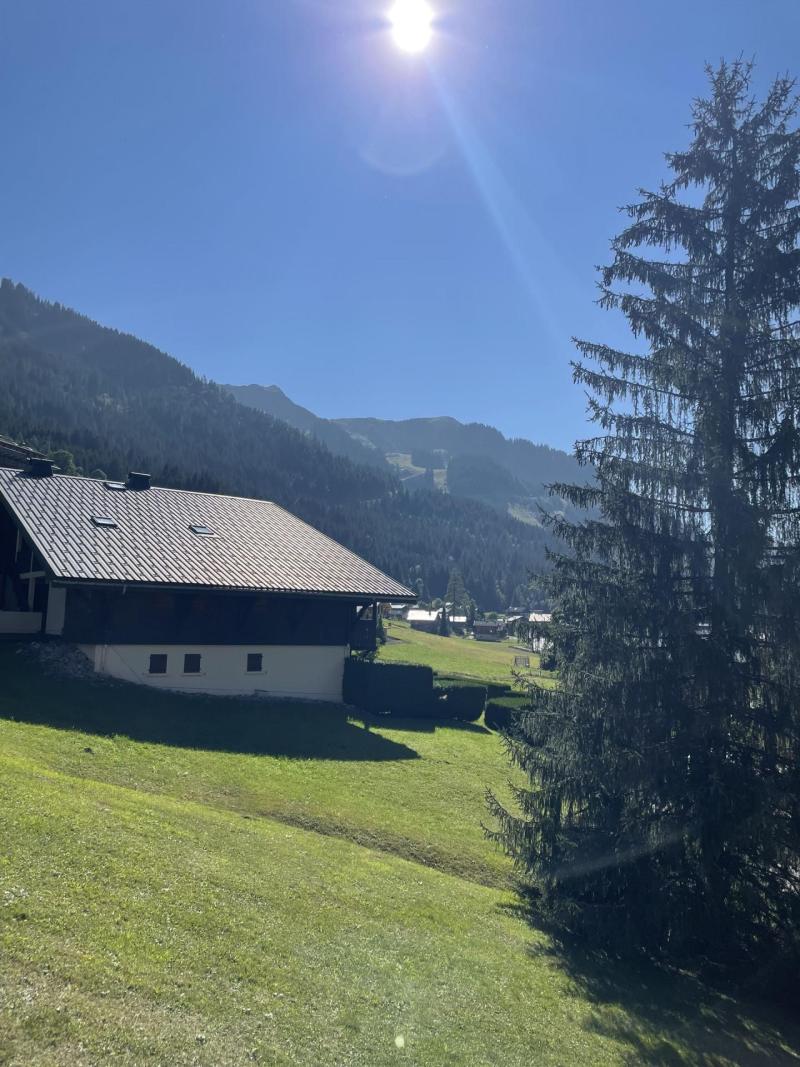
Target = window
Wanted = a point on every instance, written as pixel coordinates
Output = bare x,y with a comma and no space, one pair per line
254,662
201,530
158,663
191,663
116,486
104,520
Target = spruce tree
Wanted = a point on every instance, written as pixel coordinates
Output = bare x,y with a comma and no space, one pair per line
456,595
662,805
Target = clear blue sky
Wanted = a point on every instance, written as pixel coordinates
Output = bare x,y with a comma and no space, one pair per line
272,192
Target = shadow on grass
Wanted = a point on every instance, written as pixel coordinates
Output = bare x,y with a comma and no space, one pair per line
223,724
669,1018
418,725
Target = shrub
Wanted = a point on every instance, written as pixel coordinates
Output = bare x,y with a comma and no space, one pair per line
393,688
456,699
500,689
500,711
493,689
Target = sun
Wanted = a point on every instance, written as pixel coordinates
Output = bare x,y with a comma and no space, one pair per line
412,24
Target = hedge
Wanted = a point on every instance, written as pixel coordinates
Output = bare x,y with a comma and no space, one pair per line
500,689
394,688
499,712
493,689
457,699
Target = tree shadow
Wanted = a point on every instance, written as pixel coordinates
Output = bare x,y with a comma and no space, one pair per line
422,725
251,726
670,1018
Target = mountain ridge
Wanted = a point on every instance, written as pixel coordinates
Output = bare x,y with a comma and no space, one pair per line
472,460
272,400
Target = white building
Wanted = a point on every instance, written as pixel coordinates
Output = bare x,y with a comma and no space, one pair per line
184,590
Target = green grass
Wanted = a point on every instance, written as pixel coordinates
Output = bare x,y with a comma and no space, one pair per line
197,881
490,661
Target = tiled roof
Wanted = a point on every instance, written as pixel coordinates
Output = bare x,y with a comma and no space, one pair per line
255,545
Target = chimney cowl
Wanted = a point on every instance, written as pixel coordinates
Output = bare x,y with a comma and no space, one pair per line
39,467
138,480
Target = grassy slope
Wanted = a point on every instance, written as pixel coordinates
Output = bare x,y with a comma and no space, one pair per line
160,901
488,660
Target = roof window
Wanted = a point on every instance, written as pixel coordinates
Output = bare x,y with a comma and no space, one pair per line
202,530
105,521
115,485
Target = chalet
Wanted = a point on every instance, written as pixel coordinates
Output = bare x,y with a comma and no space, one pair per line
427,621
430,621
489,631
183,590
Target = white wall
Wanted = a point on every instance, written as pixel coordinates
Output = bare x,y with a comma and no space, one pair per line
309,672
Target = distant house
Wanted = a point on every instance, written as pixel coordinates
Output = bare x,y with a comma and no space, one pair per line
184,590
427,621
396,611
489,631
541,621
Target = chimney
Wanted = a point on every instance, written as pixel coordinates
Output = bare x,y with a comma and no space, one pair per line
39,467
138,480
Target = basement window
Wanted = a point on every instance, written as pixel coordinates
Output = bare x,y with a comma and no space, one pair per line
255,662
104,521
158,663
191,663
202,530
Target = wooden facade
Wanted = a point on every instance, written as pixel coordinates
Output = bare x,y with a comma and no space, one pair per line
127,616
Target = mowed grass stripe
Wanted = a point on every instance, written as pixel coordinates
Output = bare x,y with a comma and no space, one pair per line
282,946
140,928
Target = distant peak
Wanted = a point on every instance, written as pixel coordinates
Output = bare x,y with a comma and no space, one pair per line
275,390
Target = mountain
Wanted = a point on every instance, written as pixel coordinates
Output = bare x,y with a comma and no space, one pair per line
469,460
273,401
476,461
110,403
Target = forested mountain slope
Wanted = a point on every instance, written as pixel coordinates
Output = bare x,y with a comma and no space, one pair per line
534,465
470,459
481,463
273,401
117,403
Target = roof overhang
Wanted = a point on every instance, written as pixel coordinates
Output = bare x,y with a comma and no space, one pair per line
308,594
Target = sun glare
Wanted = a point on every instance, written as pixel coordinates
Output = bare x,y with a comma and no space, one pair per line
412,25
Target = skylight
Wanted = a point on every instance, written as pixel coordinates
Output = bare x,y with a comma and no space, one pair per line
115,485
201,530
104,520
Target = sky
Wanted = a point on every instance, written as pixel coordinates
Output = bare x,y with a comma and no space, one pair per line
273,192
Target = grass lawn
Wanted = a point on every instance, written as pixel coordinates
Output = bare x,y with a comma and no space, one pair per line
491,661
186,880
